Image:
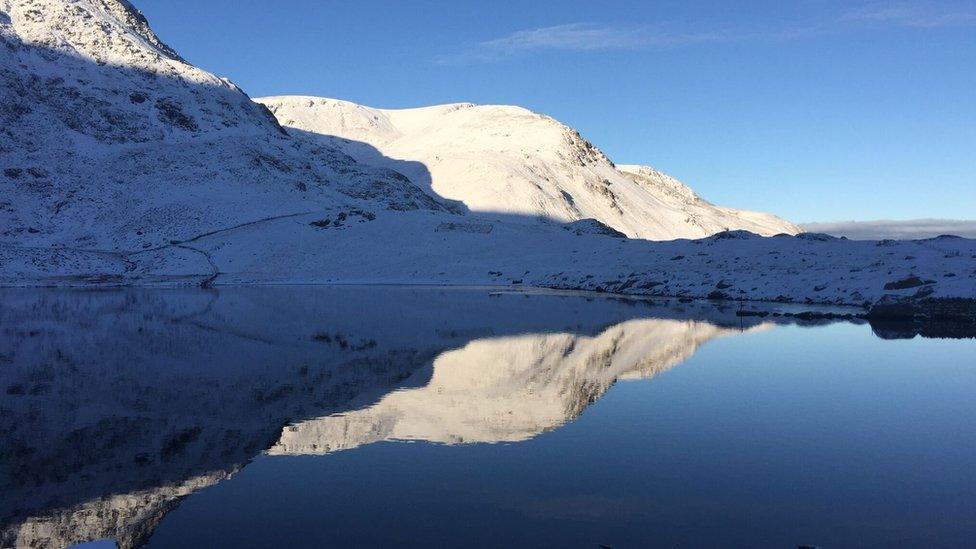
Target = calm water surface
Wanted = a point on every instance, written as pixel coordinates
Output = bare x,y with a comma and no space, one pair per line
291,417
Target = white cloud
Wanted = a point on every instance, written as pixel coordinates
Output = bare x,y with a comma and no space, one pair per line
578,37
584,37
587,36
917,15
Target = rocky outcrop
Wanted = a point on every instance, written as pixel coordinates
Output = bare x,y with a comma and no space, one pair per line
899,317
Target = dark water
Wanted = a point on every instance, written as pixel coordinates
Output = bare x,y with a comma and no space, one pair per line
429,417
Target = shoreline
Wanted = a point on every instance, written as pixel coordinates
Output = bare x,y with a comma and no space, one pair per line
892,317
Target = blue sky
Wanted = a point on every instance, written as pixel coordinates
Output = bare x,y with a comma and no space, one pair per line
812,109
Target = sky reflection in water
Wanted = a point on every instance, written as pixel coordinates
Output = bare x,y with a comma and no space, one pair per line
540,420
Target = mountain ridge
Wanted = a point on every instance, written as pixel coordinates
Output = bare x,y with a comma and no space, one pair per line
111,141
507,159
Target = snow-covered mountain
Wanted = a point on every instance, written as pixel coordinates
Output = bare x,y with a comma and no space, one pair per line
121,163
508,160
110,140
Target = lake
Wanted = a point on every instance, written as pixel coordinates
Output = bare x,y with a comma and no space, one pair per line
448,417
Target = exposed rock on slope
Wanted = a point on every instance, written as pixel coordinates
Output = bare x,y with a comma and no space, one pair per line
509,160
707,217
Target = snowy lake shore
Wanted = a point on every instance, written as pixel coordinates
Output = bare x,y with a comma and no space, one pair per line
915,278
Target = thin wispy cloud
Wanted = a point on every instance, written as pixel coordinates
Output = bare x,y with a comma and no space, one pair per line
579,37
589,37
917,15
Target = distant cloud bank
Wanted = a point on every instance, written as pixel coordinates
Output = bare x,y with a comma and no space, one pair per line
903,230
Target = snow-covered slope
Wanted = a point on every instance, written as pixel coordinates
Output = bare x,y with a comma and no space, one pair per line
120,163
708,218
109,140
508,160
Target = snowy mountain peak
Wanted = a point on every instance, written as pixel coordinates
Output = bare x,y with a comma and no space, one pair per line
118,28
97,68
109,140
510,161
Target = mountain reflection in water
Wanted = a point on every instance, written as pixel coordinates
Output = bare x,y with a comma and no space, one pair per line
115,405
507,389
